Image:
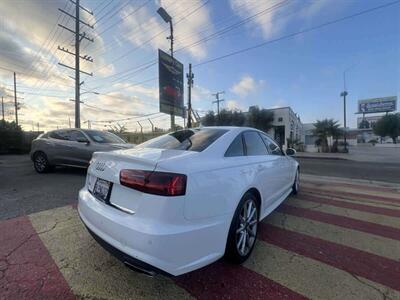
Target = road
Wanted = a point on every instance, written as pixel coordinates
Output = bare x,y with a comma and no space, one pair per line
23,191
334,240
387,172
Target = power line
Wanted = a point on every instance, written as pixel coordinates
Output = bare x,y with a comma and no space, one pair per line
153,37
298,33
217,34
236,25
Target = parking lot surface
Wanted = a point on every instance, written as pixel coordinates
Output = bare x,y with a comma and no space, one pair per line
336,239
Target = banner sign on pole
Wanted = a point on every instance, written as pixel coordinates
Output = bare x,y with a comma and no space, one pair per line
377,105
170,72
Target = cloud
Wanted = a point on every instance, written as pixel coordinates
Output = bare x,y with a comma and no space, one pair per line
145,27
246,86
29,39
234,105
270,16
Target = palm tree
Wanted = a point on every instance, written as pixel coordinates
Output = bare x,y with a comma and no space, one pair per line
324,129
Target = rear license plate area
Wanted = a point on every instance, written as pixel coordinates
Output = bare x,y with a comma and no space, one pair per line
102,190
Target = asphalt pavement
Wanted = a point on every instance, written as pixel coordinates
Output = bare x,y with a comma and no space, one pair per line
23,191
386,172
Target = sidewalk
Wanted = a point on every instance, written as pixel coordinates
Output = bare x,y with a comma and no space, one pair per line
316,155
360,154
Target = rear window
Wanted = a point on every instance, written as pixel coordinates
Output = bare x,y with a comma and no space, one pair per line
190,139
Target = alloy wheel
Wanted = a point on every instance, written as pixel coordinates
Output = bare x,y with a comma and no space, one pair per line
247,229
40,163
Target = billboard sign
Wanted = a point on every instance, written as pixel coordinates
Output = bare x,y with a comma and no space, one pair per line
170,72
377,105
367,122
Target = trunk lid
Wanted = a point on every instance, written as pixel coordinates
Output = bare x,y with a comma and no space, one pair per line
107,166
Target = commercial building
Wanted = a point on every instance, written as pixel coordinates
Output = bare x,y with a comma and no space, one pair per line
286,126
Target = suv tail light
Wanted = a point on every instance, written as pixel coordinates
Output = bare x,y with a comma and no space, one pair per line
152,182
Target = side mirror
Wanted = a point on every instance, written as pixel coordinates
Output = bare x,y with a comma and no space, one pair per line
82,140
290,152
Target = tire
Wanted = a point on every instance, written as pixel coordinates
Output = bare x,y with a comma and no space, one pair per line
41,163
296,183
240,243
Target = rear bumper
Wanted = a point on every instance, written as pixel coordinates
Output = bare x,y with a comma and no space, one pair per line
130,261
151,244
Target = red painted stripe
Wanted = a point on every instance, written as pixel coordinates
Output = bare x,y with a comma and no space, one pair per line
370,266
27,270
354,206
225,281
346,222
351,196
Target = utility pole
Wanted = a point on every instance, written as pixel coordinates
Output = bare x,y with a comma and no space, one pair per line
190,77
218,100
15,100
38,127
78,39
69,121
2,106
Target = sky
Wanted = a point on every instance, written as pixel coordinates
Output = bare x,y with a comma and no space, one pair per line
293,65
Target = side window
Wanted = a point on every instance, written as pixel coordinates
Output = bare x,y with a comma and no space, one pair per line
273,147
254,144
58,135
236,147
74,135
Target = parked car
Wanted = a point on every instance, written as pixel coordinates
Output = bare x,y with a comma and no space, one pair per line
183,200
71,147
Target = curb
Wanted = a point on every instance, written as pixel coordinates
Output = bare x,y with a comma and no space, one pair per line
319,157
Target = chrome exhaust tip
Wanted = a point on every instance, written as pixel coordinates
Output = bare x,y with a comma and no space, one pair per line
139,269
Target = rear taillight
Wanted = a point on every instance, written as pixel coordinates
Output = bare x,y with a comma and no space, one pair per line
153,182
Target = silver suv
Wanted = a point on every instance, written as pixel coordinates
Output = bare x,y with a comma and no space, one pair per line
71,147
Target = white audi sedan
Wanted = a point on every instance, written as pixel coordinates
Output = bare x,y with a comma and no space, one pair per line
185,199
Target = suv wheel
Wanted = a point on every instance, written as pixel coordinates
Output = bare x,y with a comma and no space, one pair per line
243,231
41,163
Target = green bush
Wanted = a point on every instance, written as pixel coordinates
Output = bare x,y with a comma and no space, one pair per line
13,140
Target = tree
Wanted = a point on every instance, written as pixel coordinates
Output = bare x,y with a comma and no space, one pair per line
260,118
209,119
324,129
388,125
11,138
256,117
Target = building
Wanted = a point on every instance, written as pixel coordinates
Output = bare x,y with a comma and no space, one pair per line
286,125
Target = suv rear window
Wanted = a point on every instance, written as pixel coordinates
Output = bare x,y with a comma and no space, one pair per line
190,139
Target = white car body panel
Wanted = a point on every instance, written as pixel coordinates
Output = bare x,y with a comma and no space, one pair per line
182,233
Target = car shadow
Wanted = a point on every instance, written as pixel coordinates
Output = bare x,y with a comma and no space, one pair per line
69,170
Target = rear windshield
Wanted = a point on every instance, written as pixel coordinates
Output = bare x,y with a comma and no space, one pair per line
104,137
190,139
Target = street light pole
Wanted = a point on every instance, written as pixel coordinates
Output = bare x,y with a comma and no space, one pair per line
344,94
168,19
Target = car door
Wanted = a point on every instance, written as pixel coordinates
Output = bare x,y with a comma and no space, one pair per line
283,172
263,166
59,146
78,148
